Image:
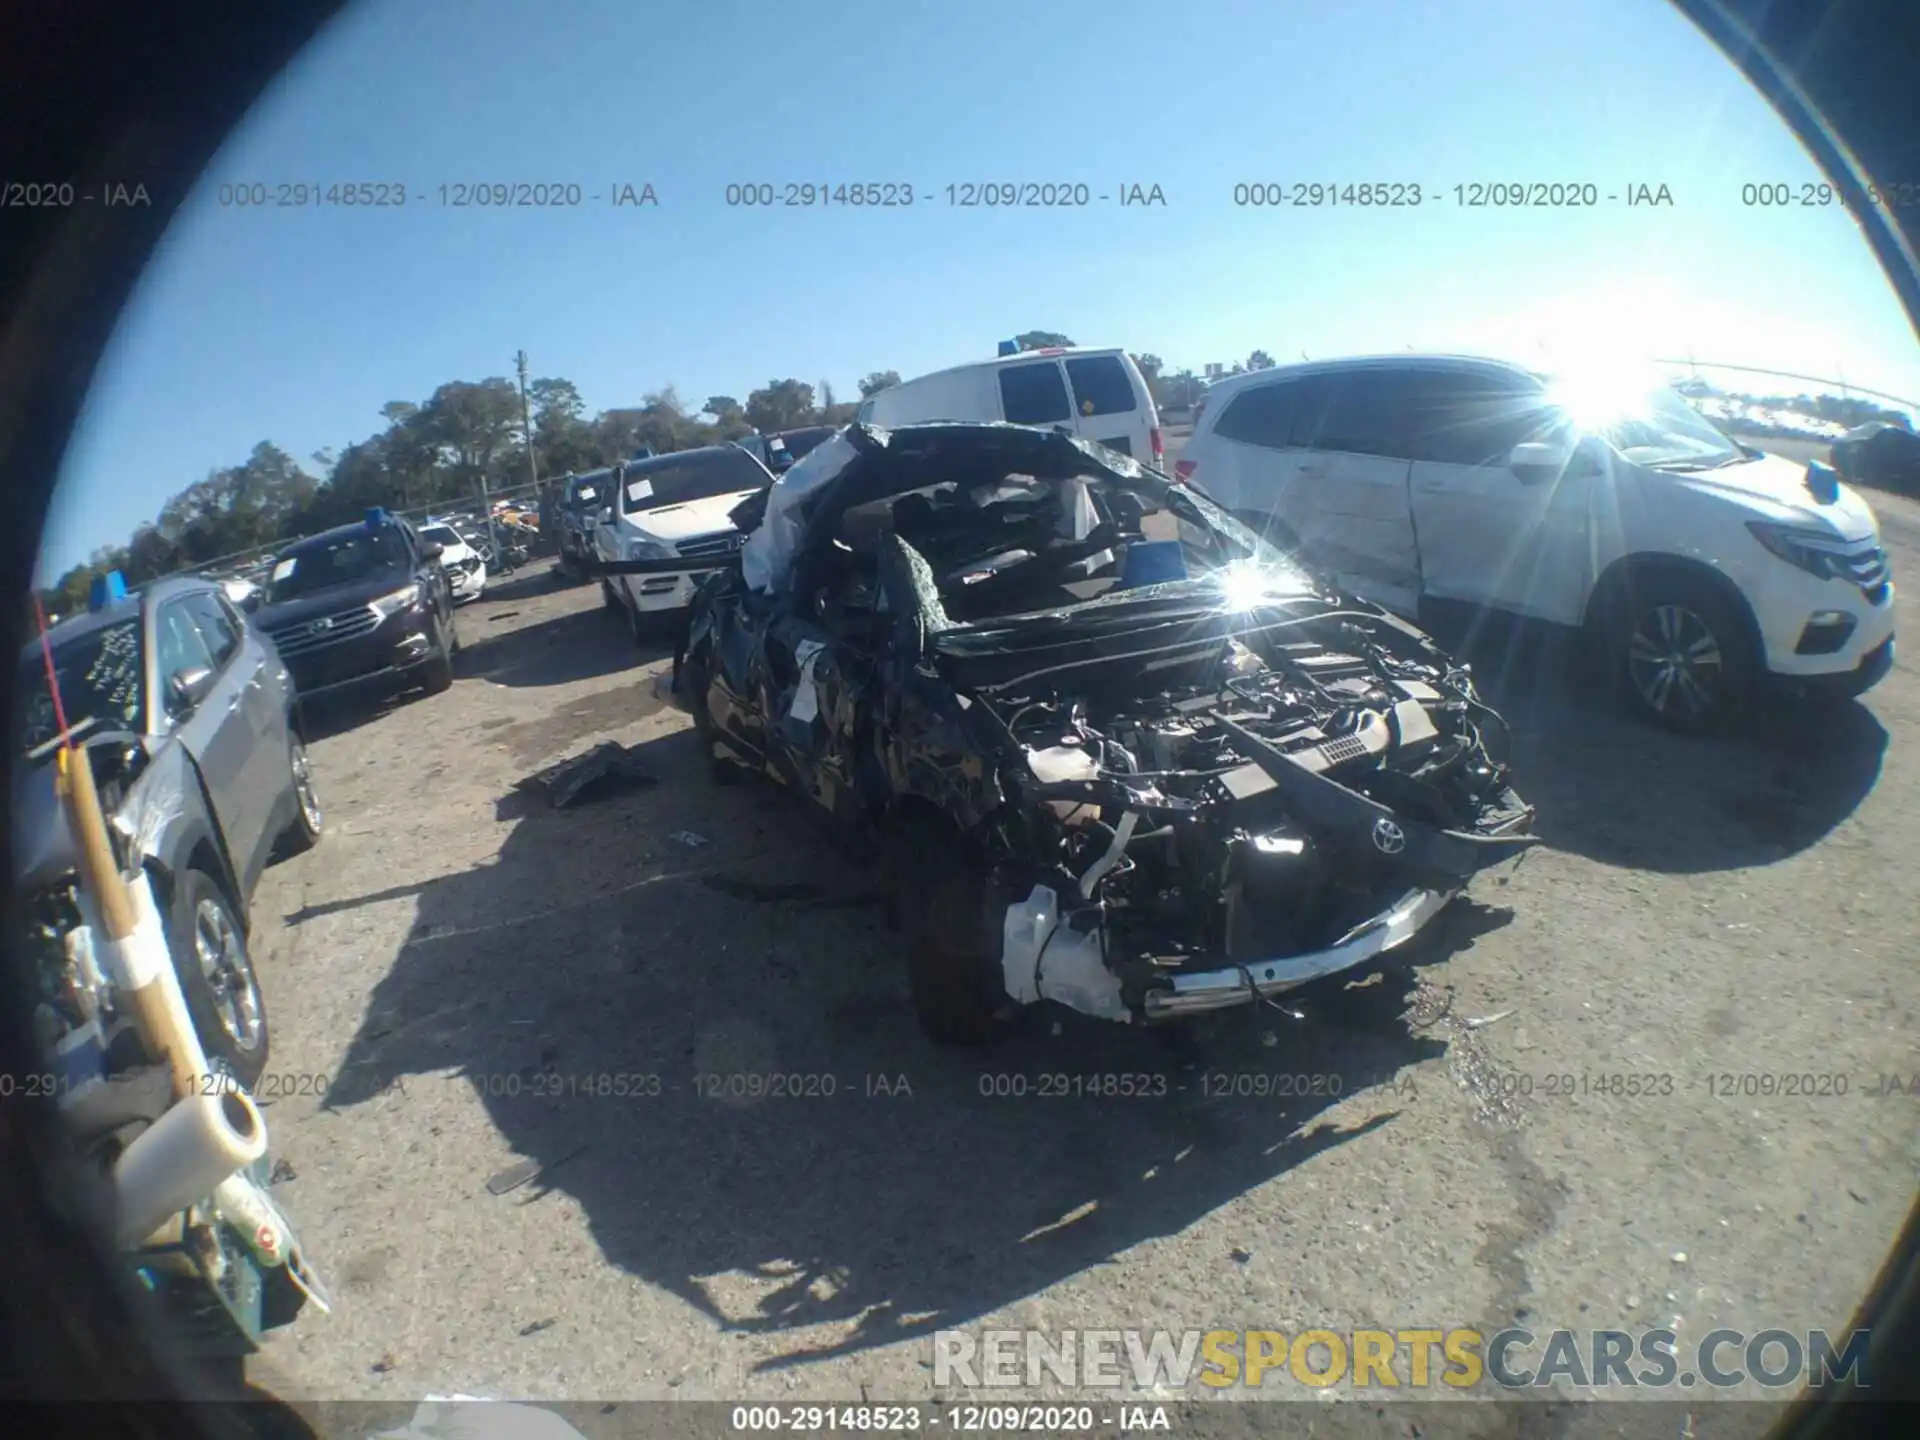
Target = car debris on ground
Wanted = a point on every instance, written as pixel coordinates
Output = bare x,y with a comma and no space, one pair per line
607,770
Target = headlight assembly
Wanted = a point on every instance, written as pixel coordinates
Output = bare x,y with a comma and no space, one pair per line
393,604
1816,553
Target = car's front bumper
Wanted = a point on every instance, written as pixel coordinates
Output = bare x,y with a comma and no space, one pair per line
1869,672
1785,607
381,658
1194,992
661,592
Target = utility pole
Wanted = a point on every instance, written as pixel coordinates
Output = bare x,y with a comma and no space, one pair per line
526,419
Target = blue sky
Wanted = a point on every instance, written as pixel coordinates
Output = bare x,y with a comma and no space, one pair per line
297,325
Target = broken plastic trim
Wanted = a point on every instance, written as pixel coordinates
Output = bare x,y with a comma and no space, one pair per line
607,769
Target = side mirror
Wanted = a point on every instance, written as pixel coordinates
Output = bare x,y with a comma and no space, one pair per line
251,602
1535,461
433,550
605,516
188,688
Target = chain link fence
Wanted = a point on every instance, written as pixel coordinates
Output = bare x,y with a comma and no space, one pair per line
524,495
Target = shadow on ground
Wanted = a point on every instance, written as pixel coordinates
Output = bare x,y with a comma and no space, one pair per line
338,713
895,1187
580,645
737,1096
1615,789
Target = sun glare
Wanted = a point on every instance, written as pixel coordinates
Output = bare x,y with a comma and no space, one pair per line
1596,399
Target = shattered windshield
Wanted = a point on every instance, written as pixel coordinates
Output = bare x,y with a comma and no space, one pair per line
1002,546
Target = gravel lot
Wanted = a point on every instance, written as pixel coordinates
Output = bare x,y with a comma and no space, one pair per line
1700,908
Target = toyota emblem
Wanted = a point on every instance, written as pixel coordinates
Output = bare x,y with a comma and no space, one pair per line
1388,838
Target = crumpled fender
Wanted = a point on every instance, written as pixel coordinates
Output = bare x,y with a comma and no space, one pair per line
165,817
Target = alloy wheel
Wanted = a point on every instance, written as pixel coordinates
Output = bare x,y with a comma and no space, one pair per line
1675,663
222,954
303,790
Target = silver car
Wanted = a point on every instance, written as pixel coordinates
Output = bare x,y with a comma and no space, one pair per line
188,716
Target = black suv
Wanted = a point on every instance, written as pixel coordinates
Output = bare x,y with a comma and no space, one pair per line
362,606
581,504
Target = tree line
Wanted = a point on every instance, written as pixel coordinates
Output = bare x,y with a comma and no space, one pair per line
435,453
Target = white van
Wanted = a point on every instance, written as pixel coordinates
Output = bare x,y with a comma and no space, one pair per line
1098,395
1697,565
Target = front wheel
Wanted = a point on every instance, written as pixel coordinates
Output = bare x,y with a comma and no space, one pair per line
438,672
944,903
697,676
1679,653
208,946
304,833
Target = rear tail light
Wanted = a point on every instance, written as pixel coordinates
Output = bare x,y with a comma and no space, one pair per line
1183,471
1159,445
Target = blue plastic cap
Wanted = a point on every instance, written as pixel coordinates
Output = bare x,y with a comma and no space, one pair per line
377,516
1823,482
1009,347
106,590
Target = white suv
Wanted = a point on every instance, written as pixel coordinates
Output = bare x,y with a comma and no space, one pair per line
670,507
466,571
1698,565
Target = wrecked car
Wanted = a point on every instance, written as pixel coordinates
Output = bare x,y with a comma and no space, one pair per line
1120,752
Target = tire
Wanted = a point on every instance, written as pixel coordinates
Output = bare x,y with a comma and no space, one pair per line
437,673
217,978
638,628
953,950
308,818
1679,652
607,597
696,676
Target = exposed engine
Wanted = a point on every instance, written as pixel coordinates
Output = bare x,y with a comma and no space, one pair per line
1264,808
99,1070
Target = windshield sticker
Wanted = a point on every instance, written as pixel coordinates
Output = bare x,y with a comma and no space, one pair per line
639,490
285,567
